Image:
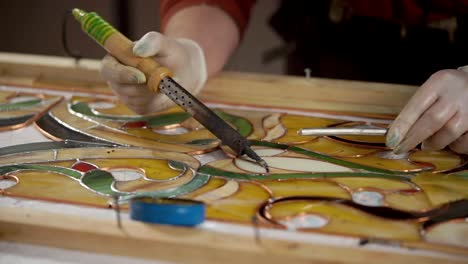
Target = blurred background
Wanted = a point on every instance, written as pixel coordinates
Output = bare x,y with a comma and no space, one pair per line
35,27
395,41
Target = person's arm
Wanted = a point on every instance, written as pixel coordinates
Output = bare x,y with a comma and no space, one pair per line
197,41
212,28
436,115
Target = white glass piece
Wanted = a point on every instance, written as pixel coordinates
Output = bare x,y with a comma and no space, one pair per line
392,156
268,152
101,105
7,183
249,166
274,133
228,189
368,198
172,131
305,221
452,233
126,174
292,164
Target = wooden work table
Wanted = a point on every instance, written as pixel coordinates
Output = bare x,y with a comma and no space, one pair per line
135,239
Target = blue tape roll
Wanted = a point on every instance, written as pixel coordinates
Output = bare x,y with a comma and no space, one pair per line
169,211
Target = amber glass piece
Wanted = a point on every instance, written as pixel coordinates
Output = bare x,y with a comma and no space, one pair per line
442,188
239,207
442,159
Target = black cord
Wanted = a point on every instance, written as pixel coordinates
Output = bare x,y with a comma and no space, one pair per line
74,54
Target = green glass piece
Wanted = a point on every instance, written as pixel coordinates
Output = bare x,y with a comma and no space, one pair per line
176,165
19,105
99,181
197,182
463,174
244,127
64,171
209,170
202,141
168,119
326,158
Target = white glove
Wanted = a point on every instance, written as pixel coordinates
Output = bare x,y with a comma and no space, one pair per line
183,57
436,115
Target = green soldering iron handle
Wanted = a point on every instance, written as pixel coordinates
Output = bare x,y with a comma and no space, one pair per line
120,47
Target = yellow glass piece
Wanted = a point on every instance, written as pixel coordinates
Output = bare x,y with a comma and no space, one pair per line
294,122
54,187
442,159
416,201
337,149
153,168
441,188
239,207
347,220
354,183
298,187
389,164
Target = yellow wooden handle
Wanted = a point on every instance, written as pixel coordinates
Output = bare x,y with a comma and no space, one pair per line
120,47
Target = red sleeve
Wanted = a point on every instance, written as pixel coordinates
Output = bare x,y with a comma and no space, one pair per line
239,10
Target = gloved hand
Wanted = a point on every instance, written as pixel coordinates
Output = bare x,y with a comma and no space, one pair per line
183,57
436,115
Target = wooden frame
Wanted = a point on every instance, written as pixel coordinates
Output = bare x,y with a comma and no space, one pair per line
194,245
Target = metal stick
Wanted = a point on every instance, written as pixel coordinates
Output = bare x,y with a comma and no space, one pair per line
256,229
117,211
342,131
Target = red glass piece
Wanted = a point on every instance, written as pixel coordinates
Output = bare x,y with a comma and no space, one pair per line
84,166
136,124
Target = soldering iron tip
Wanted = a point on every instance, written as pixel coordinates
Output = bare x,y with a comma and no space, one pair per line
264,165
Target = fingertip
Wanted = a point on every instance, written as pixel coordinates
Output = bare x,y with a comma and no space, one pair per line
148,45
400,149
393,137
426,146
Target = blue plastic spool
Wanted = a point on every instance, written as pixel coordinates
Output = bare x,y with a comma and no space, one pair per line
168,211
